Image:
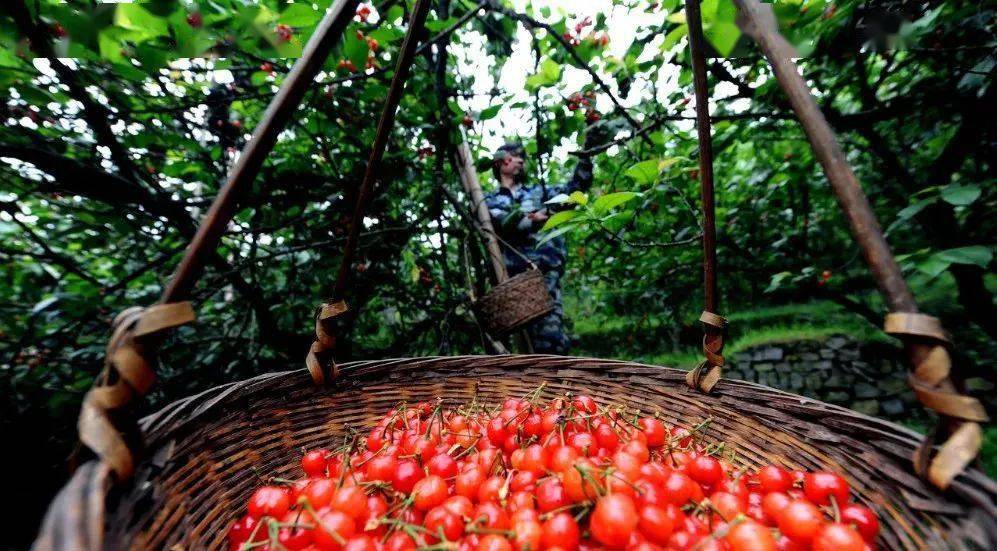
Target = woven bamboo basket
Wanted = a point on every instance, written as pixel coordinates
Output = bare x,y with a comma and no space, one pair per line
204,455
515,303
208,452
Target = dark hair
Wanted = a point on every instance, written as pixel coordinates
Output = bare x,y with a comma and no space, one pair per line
514,149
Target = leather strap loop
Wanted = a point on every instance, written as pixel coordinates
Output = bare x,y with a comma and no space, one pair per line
950,404
713,320
319,361
703,377
915,324
930,381
707,374
954,455
128,373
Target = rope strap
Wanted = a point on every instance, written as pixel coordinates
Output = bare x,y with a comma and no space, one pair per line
931,368
707,374
320,363
128,373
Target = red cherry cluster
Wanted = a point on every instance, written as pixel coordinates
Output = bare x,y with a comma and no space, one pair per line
563,475
284,32
575,38
195,19
824,276
363,12
578,101
346,64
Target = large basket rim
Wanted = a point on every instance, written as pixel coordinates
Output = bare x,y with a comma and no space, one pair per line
972,492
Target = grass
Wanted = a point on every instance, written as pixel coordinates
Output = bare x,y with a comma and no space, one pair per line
748,328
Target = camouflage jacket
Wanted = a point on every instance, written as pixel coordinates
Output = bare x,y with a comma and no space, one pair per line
510,207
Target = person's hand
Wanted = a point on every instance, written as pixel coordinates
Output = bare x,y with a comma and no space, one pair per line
538,215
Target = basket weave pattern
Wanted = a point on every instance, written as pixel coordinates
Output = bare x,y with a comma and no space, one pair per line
207,453
515,302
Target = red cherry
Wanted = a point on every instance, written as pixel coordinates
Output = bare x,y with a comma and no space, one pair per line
551,495
314,462
705,470
654,430
799,521
820,486
195,19
270,501
441,520
750,536
399,541
407,473
656,523
863,519
838,537
442,465
284,32
319,492
562,532
494,542
773,478
350,500
297,535
490,516
361,543
333,530
613,519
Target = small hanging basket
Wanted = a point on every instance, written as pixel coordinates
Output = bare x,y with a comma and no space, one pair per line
515,302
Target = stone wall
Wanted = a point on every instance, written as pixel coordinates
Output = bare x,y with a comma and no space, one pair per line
866,377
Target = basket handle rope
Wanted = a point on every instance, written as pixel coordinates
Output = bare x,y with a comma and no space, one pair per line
319,361
706,375
107,423
924,339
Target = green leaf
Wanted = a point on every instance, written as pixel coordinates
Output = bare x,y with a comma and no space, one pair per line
560,218
355,49
960,195
933,266
674,35
613,200
134,17
723,36
258,78
579,197
300,15
549,73
909,212
490,112
644,172
979,255
556,233
386,35
777,280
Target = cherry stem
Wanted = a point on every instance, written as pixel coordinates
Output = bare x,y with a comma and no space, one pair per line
835,509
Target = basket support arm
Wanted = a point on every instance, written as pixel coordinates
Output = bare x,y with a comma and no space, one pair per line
319,359
706,375
924,339
107,421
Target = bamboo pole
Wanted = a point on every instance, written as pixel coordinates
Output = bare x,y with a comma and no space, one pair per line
924,339
469,179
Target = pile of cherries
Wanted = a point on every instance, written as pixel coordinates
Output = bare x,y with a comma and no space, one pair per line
563,475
